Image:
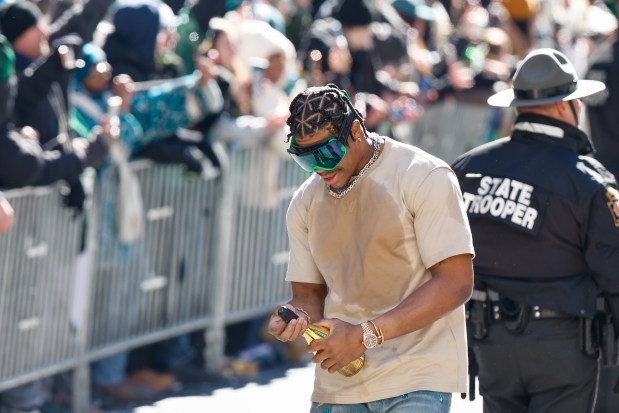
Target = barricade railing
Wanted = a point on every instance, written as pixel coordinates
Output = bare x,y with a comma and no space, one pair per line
162,279
37,274
213,253
257,261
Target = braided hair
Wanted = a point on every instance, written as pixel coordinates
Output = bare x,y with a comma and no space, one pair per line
323,106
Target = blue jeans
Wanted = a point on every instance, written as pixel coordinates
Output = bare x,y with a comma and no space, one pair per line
415,402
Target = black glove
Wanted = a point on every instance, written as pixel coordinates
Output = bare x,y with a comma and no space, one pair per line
207,149
75,197
97,151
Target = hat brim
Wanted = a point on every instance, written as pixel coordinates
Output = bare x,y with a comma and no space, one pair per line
506,98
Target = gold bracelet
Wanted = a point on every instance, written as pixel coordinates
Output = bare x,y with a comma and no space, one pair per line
299,309
378,331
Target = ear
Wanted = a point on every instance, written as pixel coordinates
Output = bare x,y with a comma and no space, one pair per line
561,107
356,130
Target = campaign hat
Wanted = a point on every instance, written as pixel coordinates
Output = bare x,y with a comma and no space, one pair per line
544,76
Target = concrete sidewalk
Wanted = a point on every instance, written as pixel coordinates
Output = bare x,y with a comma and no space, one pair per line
285,390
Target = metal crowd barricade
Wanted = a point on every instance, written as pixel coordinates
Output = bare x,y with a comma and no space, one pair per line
162,280
450,129
37,270
264,183
213,253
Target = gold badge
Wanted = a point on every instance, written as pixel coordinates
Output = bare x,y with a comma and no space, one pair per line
613,204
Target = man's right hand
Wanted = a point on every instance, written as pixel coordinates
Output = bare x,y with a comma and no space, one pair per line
287,331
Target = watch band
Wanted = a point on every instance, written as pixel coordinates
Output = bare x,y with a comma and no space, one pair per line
366,328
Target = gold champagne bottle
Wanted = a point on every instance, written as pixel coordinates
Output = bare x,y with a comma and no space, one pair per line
315,332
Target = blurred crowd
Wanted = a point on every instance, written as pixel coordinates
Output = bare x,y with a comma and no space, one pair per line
93,84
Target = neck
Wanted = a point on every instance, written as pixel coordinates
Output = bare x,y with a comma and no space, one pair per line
550,111
376,148
568,133
368,152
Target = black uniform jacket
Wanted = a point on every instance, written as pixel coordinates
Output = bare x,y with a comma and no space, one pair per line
544,217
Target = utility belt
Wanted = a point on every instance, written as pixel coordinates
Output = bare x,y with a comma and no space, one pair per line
597,336
490,307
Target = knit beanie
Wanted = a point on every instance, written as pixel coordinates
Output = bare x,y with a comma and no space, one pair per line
353,13
233,4
91,55
413,9
18,16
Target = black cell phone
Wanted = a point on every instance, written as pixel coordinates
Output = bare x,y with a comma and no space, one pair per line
287,314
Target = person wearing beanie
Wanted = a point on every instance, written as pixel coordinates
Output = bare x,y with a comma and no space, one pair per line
91,56
17,17
35,42
50,52
23,162
22,24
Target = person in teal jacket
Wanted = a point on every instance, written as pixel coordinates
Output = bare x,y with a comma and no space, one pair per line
149,110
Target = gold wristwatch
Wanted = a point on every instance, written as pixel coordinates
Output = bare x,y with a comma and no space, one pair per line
370,339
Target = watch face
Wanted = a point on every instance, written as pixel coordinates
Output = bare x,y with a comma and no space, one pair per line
370,340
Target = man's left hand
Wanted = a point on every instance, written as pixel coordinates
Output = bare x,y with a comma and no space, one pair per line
342,346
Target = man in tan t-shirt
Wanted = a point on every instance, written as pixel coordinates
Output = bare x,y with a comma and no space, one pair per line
381,255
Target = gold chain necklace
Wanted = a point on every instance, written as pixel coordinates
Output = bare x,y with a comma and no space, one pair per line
376,147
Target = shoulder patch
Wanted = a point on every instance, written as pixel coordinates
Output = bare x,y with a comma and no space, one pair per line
613,204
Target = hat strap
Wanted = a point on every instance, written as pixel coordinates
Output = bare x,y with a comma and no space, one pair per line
545,93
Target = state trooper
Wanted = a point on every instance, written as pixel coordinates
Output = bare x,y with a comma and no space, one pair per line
545,221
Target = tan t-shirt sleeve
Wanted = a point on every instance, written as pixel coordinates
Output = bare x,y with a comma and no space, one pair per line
301,264
440,221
